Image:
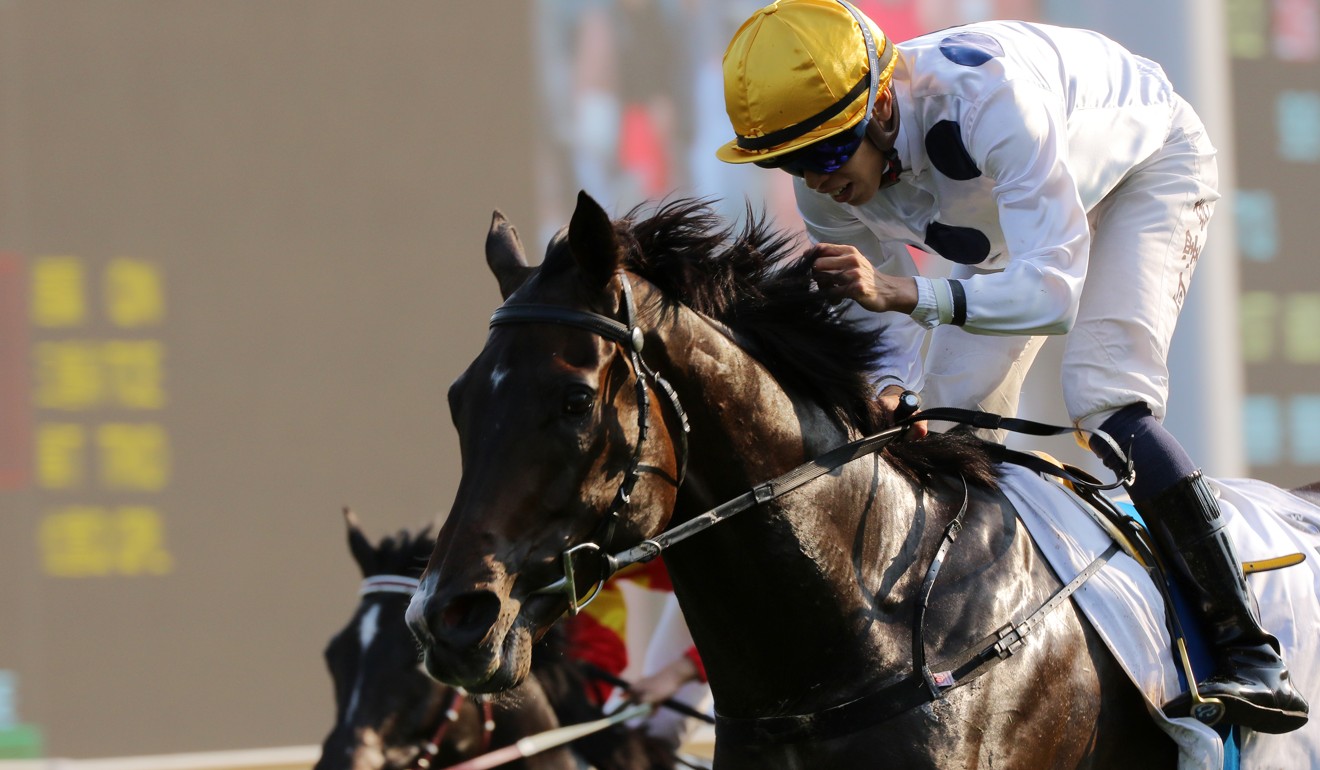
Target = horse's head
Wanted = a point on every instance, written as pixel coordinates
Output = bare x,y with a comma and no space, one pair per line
386,707
567,448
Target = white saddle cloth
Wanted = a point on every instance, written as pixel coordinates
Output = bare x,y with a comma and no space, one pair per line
1128,612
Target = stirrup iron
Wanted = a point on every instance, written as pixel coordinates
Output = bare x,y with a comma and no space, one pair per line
1208,711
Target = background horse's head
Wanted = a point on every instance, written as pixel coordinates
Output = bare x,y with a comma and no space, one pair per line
390,714
386,707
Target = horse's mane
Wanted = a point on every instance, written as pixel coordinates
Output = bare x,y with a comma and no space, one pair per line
749,280
404,553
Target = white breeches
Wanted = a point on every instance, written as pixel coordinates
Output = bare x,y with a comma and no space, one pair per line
1147,235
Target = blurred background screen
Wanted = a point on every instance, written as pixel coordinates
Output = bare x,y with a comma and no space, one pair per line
241,260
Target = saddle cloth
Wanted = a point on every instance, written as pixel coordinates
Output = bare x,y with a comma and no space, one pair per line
1128,612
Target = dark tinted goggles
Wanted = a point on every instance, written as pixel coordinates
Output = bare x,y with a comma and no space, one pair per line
823,157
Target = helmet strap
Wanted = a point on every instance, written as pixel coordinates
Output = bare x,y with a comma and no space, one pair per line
884,135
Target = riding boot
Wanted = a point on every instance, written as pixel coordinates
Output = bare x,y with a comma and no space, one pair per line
1250,678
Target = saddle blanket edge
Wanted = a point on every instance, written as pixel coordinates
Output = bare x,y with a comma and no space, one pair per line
1127,611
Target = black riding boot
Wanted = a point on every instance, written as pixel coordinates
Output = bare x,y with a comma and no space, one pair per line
1250,677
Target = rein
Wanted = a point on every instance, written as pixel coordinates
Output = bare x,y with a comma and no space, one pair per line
426,751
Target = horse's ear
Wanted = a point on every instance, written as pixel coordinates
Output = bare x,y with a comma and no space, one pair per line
592,240
363,552
504,255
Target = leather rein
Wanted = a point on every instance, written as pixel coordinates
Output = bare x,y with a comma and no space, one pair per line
925,683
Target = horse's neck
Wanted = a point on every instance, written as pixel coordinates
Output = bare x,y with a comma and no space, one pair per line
821,569
742,419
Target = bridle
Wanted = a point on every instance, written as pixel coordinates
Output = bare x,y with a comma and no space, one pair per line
449,711
631,338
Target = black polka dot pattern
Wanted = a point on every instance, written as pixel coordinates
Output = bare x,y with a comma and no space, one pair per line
944,147
964,245
970,49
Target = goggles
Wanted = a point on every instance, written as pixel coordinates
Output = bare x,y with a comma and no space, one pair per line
823,157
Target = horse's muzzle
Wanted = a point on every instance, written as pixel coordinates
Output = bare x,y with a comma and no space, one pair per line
461,638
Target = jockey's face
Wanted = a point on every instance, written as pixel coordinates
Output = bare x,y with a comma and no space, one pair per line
858,179
856,182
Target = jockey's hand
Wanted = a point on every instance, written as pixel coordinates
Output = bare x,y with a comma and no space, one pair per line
664,683
842,272
889,401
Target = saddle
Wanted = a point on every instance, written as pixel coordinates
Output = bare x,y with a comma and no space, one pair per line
1127,528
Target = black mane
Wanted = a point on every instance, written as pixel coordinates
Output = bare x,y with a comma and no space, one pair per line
749,281
405,553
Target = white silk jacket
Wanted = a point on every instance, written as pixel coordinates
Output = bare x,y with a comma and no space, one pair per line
1009,133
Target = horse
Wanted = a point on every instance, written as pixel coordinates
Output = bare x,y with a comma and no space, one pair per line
655,367
1309,493
390,714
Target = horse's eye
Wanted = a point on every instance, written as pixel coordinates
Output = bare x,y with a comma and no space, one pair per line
579,402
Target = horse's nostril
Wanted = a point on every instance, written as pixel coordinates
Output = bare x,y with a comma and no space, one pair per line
467,619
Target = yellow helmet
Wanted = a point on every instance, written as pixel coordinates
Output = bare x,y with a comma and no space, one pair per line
799,71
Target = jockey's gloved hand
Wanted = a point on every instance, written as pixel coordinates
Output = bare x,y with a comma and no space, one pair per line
899,403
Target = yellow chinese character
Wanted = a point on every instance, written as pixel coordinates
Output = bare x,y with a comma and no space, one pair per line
58,296
60,448
133,373
76,542
67,375
133,295
1301,345
141,542
133,456
1258,313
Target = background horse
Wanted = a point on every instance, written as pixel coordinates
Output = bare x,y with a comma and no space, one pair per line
387,710
803,607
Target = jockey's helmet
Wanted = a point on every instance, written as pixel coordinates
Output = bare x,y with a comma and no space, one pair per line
799,71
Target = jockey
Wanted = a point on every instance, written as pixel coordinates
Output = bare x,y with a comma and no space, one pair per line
1072,188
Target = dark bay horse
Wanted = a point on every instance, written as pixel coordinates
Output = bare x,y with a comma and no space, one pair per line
571,424
390,714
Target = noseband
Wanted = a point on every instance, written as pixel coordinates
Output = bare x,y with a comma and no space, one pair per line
631,338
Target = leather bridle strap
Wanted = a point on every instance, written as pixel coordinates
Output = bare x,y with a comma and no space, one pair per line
388,584
630,336
448,716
